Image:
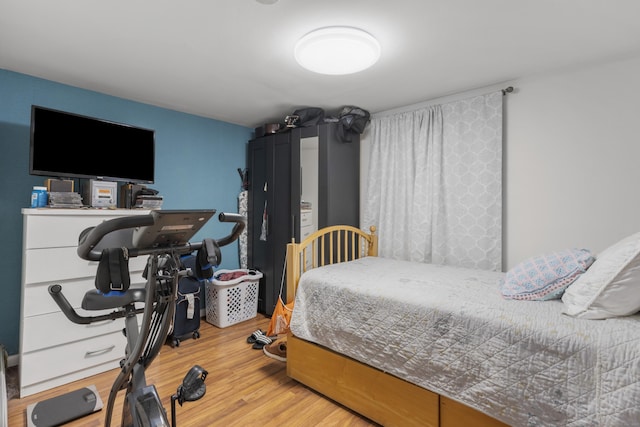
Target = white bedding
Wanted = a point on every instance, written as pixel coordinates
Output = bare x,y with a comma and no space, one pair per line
449,330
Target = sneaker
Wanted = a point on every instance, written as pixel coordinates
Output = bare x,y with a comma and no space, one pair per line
277,349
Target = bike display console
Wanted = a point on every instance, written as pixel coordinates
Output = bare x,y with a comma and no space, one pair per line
171,228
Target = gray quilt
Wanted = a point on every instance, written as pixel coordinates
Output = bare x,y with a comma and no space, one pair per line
449,330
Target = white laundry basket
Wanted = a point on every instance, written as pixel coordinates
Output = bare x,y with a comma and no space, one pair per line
232,301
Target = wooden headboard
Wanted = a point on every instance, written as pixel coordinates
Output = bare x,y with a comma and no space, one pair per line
330,245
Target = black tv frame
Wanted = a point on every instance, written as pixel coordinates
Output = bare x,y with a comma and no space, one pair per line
70,145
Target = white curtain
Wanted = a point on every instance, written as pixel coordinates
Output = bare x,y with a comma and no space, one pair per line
435,183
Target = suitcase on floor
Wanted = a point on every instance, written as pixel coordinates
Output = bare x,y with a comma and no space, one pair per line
186,322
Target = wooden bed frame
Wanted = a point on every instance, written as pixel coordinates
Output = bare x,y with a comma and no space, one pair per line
377,395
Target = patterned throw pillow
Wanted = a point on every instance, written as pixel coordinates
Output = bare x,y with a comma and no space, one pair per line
547,276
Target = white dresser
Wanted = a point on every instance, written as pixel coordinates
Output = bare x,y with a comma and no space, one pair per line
53,350
307,224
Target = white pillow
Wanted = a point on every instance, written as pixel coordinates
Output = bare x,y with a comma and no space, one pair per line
611,286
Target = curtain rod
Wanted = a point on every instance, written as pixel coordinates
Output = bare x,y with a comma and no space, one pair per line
444,99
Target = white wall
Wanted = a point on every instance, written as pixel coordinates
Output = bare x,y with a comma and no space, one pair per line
571,155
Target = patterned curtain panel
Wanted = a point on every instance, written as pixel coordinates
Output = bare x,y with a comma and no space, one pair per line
435,183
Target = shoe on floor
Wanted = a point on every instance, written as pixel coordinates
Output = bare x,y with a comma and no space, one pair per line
277,349
261,341
252,338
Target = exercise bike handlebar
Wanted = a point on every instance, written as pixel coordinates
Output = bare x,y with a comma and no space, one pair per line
56,293
90,237
241,223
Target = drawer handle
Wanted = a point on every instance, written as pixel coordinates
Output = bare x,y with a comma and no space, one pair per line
101,351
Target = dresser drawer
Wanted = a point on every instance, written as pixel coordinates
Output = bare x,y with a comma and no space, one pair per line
306,231
53,264
53,329
306,218
67,359
59,229
36,299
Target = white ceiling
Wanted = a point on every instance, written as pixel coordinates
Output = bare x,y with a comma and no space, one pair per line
232,60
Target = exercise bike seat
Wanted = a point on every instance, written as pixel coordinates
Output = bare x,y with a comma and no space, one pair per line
96,300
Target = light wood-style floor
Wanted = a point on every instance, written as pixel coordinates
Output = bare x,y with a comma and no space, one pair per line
244,387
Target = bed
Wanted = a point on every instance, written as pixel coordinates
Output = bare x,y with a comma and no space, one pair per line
417,344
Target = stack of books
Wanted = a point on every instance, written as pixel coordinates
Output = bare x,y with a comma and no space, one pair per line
148,201
67,199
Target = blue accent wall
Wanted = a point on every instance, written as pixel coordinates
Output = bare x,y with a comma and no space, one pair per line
196,167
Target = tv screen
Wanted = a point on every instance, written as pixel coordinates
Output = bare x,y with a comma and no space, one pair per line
66,145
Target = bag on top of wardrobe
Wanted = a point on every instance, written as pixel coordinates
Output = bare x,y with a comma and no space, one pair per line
305,117
352,120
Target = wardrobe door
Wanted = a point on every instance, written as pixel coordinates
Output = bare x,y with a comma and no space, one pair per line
257,248
280,220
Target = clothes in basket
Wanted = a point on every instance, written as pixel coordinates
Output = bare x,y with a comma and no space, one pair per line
232,297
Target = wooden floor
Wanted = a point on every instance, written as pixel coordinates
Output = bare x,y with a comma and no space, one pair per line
244,387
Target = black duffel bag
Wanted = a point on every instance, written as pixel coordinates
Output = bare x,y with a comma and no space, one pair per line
352,120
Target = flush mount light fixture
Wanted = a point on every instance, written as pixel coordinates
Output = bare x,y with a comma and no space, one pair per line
337,50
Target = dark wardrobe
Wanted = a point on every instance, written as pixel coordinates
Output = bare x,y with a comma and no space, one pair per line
300,180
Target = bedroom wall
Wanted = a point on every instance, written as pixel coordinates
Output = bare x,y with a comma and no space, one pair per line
196,167
571,153
571,160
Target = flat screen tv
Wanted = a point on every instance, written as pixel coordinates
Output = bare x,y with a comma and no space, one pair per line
67,145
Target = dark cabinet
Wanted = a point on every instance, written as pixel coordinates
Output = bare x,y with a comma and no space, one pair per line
309,167
269,211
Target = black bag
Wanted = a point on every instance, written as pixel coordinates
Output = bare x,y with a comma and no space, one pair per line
352,120
186,321
306,117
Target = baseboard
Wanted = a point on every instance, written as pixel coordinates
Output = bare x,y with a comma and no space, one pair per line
13,360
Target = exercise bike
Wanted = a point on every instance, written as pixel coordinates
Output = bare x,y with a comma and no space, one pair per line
164,237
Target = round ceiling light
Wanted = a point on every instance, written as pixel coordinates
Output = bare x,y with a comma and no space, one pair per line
337,50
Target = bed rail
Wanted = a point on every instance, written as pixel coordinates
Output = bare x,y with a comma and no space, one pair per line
329,245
